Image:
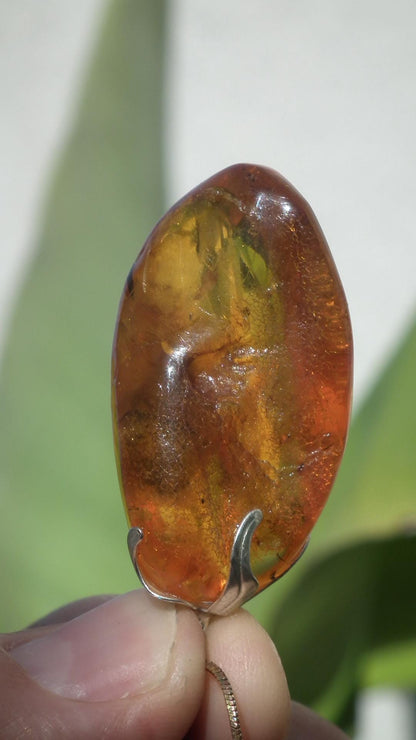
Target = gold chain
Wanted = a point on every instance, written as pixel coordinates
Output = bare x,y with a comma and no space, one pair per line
229,698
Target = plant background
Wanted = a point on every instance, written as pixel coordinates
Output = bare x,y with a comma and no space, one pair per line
130,104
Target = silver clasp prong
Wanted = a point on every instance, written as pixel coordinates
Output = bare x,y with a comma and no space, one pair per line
241,584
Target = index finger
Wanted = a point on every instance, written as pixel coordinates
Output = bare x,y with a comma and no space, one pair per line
248,657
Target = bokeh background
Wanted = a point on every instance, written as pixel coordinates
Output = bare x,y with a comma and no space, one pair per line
111,110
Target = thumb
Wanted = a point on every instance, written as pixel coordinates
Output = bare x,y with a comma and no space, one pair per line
131,667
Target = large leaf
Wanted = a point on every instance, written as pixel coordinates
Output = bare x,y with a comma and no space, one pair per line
62,523
347,609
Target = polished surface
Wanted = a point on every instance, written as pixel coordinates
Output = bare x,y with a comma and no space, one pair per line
232,371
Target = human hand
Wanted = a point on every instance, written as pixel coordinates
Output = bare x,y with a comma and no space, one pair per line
131,667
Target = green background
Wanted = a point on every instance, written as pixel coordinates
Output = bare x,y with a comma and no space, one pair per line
344,617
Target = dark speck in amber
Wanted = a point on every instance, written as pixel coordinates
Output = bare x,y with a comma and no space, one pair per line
232,368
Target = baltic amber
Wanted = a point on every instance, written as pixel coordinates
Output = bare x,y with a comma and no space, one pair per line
231,382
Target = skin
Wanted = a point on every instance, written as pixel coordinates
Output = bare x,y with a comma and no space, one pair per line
130,667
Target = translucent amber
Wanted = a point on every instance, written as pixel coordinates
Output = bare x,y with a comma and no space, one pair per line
231,382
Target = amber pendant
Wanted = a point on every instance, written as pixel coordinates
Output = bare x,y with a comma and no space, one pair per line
232,369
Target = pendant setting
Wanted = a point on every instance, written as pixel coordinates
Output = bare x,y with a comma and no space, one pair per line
232,371
241,584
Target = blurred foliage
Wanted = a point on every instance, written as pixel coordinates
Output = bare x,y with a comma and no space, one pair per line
63,525
346,608
343,618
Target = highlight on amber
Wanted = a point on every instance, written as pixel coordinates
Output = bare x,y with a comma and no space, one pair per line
232,370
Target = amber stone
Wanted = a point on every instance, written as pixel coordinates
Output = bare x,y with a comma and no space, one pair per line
232,368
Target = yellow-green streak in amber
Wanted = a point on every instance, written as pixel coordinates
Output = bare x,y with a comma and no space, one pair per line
232,368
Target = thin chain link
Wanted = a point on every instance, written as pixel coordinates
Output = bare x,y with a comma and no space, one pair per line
229,698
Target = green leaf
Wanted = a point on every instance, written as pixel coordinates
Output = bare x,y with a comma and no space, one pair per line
63,527
345,610
391,664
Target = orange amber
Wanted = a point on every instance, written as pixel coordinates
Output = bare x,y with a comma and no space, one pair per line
232,368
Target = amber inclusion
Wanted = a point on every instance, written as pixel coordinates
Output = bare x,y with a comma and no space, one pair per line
232,367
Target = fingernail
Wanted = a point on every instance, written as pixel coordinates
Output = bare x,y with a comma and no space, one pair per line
121,648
